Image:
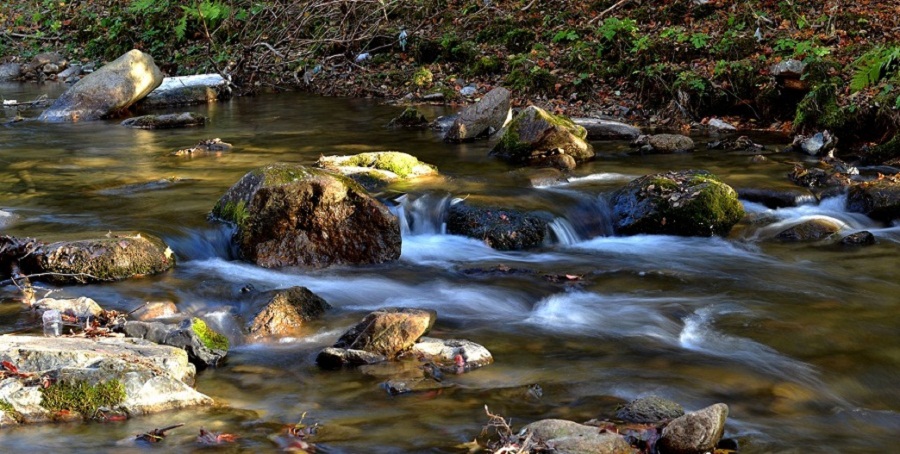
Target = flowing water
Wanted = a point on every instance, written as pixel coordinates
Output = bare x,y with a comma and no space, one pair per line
801,341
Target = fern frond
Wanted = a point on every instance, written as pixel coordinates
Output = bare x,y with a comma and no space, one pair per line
873,66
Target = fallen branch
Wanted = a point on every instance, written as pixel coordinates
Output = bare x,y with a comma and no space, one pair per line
608,10
38,37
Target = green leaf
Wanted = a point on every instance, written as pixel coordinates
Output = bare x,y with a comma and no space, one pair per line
181,27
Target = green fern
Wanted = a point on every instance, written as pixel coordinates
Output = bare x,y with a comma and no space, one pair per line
873,66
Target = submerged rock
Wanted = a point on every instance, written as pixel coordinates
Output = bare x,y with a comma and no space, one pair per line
810,230
878,199
283,312
108,90
499,228
105,259
167,121
535,134
10,71
410,118
599,129
294,215
452,355
204,147
742,143
204,347
664,144
650,409
93,377
154,309
864,238
336,358
695,432
482,118
374,170
568,437
388,332
773,198
687,203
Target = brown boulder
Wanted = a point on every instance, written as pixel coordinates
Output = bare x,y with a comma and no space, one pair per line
282,312
388,331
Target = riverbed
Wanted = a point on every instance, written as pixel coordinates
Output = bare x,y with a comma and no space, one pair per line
802,341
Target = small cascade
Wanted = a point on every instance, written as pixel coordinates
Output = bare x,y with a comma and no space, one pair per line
422,214
591,217
563,232
214,242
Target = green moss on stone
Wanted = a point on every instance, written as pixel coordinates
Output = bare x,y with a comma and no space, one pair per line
82,397
210,339
233,211
401,164
7,407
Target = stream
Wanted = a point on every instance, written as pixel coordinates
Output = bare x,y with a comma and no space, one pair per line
802,341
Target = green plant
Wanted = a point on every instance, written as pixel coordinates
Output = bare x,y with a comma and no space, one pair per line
422,77
565,36
699,40
873,66
82,397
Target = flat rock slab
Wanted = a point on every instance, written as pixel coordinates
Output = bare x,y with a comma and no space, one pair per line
187,90
482,118
154,377
599,129
167,121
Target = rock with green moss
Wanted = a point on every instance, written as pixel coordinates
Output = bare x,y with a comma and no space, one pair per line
535,135
204,346
90,378
481,119
878,199
113,258
292,215
166,121
687,203
500,228
374,170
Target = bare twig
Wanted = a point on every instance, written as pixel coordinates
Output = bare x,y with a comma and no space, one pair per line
38,37
607,11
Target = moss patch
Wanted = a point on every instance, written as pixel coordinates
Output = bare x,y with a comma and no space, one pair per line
210,339
82,397
401,164
233,211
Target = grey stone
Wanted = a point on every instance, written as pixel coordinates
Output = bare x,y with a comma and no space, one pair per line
695,432
599,129
71,71
336,358
878,199
80,308
568,437
664,144
187,90
184,336
108,90
810,230
792,69
864,238
499,228
10,71
720,125
444,352
155,377
482,118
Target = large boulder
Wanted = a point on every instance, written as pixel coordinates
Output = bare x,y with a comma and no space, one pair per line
204,346
59,378
110,89
500,228
113,258
600,129
388,332
283,312
687,203
374,170
535,134
694,433
664,144
293,215
482,118
878,199
569,437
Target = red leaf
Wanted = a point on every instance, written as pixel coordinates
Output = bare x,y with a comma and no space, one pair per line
10,367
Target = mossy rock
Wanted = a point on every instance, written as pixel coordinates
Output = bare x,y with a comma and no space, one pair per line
687,203
374,170
99,260
410,118
82,397
536,133
207,336
292,215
